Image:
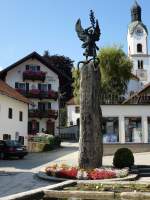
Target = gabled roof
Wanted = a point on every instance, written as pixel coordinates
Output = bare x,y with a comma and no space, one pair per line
32,55
141,97
12,93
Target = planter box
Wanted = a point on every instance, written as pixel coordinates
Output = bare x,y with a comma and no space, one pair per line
34,75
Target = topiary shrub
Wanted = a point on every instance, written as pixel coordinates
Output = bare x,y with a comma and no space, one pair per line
57,141
123,158
53,143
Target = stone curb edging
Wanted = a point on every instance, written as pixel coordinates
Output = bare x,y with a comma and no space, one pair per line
44,176
79,194
31,194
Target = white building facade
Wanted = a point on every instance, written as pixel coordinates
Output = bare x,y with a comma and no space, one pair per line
39,82
13,115
121,123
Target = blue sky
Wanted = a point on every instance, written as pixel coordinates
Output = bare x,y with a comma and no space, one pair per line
38,25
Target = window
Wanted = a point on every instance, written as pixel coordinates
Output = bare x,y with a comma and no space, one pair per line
21,140
43,106
139,48
10,113
20,116
110,129
71,123
33,67
77,109
6,137
140,64
20,85
44,87
133,129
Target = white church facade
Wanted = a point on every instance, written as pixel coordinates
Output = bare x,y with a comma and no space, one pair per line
128,122
137,39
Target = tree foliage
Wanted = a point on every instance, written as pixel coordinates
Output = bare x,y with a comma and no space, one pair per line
115,69
64,65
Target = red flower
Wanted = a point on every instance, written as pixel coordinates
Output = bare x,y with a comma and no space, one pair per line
101,174
68,173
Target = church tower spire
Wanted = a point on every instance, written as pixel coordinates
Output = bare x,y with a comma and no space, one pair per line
136,12
137,38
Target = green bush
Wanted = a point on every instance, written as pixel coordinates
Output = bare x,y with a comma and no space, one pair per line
53,143
57,141
123,158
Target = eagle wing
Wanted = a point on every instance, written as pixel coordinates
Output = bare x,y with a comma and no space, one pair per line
97,32
80,31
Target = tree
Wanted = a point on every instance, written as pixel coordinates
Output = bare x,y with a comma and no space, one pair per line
63,117
64,65
76,84
115,69
90,143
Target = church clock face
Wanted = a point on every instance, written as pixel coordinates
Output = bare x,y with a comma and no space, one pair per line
139,31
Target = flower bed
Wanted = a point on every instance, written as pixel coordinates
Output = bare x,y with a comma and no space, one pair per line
65,171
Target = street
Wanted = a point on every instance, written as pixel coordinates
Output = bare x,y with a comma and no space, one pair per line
19,175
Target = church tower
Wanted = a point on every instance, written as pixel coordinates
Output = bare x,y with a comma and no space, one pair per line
138,45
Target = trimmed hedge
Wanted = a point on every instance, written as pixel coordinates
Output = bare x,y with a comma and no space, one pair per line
123,158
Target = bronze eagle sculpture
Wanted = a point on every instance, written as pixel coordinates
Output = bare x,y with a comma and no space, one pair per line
89,36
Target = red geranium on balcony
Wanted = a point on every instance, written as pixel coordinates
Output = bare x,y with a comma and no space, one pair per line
34,75
21,91
34,93
52,94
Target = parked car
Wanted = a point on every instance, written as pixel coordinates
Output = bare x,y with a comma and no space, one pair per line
12,148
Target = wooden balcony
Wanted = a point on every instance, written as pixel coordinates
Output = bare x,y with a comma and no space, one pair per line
36,113
36,93
34,75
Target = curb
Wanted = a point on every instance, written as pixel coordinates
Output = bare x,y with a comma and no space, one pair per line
44,176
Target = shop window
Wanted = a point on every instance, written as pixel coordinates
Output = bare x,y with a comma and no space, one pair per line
133,130
110,129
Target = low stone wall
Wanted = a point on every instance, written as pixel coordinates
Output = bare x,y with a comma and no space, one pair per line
35,146
110,149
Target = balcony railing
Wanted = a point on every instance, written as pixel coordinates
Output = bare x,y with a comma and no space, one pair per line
36,93
43,113
34,75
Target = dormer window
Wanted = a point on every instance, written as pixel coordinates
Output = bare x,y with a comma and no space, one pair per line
139,48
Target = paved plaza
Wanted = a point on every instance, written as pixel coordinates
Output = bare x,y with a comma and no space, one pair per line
19,175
